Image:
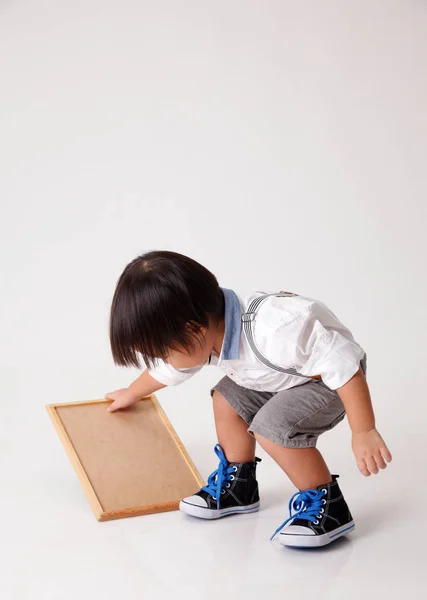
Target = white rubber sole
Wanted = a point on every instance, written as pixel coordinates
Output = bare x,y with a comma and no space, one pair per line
315,541
213,513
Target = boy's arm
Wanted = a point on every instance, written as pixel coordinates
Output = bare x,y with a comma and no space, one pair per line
326,347
153,379
144,385
368,446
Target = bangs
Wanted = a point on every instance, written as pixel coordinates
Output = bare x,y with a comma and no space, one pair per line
147,342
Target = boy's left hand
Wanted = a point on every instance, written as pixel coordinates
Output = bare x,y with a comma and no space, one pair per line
370,451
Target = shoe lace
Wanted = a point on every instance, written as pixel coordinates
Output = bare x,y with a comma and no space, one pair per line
307,505
219,477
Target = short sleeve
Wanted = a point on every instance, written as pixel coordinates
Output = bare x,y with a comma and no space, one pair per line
328,348
169,375
335,358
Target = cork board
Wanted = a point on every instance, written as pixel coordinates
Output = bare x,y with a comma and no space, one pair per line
129,462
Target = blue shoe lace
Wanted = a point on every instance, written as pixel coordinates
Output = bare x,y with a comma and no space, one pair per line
220,477
307,505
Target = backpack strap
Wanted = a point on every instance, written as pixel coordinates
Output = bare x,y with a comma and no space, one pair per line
247,319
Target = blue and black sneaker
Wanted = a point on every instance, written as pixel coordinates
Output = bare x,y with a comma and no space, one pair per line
317,517
232,488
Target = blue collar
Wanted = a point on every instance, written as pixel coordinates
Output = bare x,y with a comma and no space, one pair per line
233,324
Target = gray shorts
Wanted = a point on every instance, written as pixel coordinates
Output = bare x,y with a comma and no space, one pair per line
294,417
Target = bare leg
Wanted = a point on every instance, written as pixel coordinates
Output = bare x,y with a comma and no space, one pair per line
305,467
231,429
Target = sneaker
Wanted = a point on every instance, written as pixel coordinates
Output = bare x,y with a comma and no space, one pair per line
321,516
231,489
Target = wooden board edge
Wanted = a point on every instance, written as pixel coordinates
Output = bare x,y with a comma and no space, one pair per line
137,511
75,461
177,441
83,402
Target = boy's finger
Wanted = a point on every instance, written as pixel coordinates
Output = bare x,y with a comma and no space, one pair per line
372,465
113,406
379,460
363,468
386,453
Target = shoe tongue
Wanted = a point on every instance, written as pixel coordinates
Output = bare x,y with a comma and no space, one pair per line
238,464
325,485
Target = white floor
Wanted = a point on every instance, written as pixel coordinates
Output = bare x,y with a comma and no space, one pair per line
54,549
280,143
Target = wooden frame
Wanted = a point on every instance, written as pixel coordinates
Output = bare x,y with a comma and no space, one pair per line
100,512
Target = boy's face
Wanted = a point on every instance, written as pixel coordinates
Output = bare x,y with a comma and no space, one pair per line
180,359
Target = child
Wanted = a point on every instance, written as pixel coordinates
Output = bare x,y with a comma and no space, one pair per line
293,371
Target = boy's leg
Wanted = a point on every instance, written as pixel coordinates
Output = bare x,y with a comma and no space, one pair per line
287,427
232,431
232,488
305,467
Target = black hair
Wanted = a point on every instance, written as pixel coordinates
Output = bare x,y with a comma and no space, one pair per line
161,301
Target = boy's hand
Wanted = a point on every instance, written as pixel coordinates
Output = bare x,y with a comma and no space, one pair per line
370,451
122,398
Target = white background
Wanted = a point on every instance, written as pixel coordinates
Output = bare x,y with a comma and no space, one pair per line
283,145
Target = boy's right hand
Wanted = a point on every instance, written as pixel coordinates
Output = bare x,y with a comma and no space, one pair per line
122,398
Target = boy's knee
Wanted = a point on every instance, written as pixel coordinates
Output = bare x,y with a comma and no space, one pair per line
221,405
218,398
227,409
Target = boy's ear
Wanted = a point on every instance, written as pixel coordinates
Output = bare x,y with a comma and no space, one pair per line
193,325
196,329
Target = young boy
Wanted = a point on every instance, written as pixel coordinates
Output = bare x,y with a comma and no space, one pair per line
293,371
